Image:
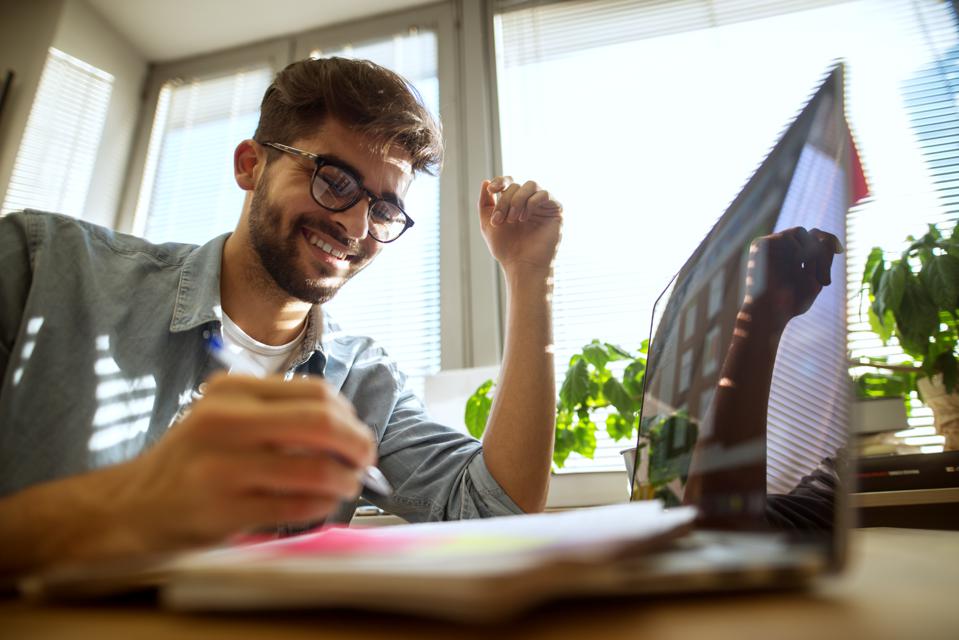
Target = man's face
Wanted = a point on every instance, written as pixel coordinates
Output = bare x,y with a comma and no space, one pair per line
309,251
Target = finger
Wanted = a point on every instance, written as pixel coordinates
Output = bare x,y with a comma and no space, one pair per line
263,510
517,205
500,183
540,204
818,256
320,475
503,204
828,239
301,425
486,199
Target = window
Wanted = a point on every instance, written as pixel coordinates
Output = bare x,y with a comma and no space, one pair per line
56,157
711,352
670,108
715,295
396,300
689,322
188,193
685,371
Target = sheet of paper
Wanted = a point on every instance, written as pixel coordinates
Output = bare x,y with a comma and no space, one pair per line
491,543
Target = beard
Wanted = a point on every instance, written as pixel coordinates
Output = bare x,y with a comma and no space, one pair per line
279,255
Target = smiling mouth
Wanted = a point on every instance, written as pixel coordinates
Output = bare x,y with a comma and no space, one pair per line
324,246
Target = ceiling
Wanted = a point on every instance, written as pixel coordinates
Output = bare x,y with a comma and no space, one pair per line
173,29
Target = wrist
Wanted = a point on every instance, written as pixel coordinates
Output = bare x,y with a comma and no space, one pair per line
528,275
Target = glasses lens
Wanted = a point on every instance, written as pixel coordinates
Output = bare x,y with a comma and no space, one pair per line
336,189
387,221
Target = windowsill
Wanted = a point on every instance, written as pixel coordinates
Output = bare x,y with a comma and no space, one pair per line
587,489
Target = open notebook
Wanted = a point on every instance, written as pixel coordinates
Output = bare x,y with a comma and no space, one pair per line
471,569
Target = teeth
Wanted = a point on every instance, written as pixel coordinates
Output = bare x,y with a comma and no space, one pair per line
326,246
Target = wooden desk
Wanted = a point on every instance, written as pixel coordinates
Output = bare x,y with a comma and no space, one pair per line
901,585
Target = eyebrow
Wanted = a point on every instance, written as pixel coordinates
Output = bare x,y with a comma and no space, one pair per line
389,196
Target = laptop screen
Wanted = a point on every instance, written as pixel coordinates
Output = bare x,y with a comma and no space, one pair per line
747,393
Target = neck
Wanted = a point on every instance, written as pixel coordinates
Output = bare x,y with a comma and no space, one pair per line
253,300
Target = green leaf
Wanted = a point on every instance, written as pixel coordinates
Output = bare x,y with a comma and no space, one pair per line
619,397
881,326
478,407
873,262
940,276
617,353
585,431
671,446
892,286
575,387
596,354
916,319
633,377
947,366
618,427
876,279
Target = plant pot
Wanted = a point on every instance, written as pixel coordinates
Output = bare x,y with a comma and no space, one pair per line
945,409
643,490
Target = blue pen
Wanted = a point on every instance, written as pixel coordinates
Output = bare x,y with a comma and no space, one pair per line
372,478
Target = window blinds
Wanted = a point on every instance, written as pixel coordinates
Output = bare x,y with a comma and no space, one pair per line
396,300
188,193
646,119
57,154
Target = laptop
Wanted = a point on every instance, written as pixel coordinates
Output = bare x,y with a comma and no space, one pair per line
759,434
757,490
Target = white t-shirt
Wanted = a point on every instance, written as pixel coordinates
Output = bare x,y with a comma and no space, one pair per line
272,358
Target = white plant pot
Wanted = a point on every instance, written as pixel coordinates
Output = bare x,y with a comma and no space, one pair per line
643,490
945,409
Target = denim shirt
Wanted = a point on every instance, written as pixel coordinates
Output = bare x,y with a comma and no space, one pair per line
102,347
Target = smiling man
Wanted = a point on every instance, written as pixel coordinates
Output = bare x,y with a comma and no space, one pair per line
118,435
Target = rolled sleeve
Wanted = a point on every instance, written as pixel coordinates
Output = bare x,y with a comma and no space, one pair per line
437,472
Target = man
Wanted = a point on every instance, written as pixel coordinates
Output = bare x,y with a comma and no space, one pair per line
103,345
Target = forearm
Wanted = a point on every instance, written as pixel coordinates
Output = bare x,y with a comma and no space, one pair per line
738,431
518,444
61,521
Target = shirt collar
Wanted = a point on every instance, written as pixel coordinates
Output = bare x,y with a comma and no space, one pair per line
198,294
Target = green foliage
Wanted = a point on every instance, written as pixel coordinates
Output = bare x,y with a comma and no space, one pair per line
915,299
478,406
589,386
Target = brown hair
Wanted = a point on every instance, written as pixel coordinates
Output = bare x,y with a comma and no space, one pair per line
373,101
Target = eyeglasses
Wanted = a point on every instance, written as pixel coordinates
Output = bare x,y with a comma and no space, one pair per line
336,188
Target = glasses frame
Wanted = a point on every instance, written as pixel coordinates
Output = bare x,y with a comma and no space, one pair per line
320,162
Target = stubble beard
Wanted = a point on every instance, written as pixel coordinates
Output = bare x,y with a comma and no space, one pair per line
279,255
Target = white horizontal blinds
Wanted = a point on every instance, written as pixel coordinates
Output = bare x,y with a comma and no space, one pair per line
924,83
647,138
188,192
58,151
396,300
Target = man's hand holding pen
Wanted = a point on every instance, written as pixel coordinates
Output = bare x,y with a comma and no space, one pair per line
251,453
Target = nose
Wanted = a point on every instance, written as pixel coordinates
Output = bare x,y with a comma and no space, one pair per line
355,220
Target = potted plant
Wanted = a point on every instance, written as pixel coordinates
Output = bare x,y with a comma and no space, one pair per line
593,393
916,299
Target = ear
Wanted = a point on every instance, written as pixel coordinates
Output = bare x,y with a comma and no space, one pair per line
249,160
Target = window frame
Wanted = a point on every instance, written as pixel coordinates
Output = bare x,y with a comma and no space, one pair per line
275,53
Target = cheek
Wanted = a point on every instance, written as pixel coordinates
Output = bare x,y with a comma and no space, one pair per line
371,248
